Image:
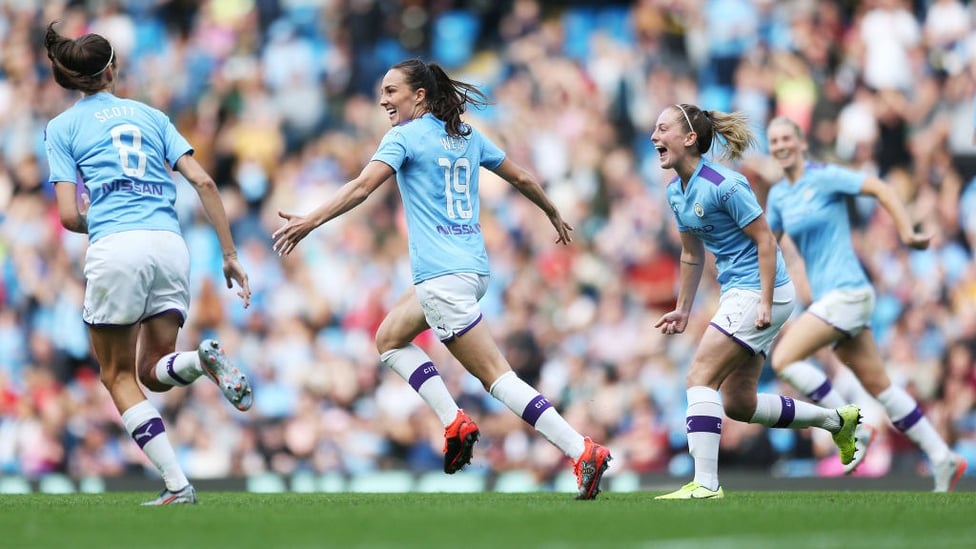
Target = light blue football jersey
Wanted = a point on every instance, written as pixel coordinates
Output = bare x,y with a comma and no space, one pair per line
438,180
716,204
119,149
813,211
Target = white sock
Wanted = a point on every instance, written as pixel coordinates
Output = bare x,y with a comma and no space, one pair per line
145,426
703,421
909,419
179,369
812,382
413,365
782,411
537,411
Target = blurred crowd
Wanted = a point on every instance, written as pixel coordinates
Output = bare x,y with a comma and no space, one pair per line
278,98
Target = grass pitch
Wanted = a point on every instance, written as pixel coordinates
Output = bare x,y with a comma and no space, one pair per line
743,519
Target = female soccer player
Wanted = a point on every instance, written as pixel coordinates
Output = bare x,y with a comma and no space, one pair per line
716,210
436,158
137,268
809,205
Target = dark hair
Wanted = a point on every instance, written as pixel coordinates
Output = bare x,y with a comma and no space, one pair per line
79,64
732,126
446,98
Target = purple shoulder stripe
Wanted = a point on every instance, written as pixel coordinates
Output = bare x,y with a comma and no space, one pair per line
711,175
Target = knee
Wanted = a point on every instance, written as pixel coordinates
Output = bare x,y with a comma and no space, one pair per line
739,408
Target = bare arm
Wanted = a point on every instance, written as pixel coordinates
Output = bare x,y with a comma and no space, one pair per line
896,208
214,207
529,186
349,196
689,277
758,231
71,215
796,266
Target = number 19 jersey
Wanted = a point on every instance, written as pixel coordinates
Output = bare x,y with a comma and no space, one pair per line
438,180
119,148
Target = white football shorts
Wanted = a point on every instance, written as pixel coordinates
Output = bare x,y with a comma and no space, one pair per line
450,302
736,316
848,310
134,275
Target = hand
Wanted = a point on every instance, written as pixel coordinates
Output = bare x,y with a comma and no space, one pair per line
671,323
233,271
296,228
917,240
562,228
764,316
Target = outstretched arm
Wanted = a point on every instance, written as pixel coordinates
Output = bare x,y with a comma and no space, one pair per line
529,186
889,200
349,196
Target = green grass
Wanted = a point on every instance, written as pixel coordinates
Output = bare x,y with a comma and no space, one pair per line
785,520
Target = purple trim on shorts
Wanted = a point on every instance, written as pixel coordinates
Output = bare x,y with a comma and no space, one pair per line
161,313
534,409
148,431
109,325
711,175
787,413
172,371
909,421
844,333
423,372
464,331
744,345
703,424
820,392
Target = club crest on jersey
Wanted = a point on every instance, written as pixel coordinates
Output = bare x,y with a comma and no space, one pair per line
699,211
807,195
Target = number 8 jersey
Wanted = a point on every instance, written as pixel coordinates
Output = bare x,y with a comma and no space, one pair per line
438,180
119,148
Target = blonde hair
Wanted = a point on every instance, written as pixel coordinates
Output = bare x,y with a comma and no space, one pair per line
732,126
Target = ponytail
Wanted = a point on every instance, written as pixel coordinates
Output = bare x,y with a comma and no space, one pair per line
79,64
732,127
447,99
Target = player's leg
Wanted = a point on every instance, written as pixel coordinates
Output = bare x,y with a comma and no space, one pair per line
860,354
114,348
477,351
450,306
716,357
795,345
167,303
402,324
119,269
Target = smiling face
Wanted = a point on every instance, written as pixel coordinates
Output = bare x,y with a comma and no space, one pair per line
786,145
402,103
671,138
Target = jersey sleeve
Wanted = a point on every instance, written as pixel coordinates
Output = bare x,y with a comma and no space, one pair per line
737,199
175,144
392,150
491,155
61,165
840,180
